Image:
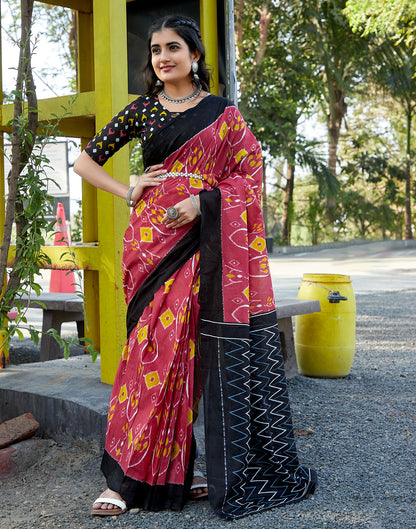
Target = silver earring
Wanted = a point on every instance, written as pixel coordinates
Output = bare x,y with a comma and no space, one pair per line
195,67
159,83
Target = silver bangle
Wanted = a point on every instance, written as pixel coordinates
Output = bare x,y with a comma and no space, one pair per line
195,205
131,203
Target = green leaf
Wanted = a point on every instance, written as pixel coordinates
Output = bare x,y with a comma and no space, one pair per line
34,335
67,352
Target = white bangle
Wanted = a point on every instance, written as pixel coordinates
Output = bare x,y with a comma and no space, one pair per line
131,203
195,205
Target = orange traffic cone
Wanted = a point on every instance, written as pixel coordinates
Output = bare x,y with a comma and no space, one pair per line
61,280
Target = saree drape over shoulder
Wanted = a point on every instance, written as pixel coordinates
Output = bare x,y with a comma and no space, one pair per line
201,314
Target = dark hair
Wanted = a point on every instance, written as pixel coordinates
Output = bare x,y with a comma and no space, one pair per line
189,31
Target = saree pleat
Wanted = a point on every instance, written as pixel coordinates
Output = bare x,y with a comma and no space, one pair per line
153,397
201,313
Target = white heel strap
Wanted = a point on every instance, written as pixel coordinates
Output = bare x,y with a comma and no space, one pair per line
112,501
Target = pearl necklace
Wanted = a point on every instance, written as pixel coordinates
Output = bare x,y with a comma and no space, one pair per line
194,94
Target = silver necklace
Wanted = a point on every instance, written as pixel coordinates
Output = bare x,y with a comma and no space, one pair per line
194,94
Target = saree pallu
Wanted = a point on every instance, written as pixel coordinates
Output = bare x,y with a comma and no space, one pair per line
200,303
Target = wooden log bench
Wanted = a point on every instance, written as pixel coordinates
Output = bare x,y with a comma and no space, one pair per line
57,309
286,309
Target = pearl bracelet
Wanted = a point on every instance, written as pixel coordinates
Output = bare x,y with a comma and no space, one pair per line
195,205
131,203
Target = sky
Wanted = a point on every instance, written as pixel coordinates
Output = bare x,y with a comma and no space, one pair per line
45,54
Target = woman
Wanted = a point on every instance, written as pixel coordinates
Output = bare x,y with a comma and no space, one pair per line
200,300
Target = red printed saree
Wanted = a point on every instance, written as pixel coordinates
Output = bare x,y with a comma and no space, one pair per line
200,314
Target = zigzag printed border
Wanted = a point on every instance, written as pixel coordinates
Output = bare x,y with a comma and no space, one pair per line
257,467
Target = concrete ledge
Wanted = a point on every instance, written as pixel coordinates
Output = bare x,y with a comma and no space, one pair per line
66,397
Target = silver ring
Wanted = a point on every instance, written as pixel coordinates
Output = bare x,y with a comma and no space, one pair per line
172,213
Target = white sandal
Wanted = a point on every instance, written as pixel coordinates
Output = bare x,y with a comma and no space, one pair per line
122,507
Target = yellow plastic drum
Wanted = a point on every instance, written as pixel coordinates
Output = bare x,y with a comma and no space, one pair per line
325,341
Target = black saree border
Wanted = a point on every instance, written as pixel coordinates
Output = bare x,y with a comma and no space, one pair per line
178,130
210,290
171,262
252,462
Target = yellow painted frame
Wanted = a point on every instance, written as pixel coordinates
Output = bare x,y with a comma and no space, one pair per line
209,31
103,91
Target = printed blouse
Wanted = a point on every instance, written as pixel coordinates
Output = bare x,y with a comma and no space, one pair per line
139,120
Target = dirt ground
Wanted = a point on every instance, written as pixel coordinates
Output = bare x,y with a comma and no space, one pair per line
43,465
363,429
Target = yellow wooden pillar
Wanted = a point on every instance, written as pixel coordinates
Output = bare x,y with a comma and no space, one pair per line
85,82
111,94
209,31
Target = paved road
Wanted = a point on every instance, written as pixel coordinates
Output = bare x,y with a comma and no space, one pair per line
372,267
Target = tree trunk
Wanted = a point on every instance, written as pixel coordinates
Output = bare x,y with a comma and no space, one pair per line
408,184
238,28
22,143
337,111
287,204
264,23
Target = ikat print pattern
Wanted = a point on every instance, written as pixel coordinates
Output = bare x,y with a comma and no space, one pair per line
228,156
159,351
150,417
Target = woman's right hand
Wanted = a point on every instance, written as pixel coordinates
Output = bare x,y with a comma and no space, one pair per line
147,179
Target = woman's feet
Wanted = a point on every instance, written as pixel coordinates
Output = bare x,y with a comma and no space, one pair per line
199,487
110,503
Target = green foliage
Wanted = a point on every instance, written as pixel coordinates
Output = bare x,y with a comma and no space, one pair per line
340,57
308,156
77,224
277,88
34,207
397,76
394,19
311,60
136,158
314,215
372,198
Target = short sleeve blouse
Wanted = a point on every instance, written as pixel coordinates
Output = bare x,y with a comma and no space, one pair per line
139,120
